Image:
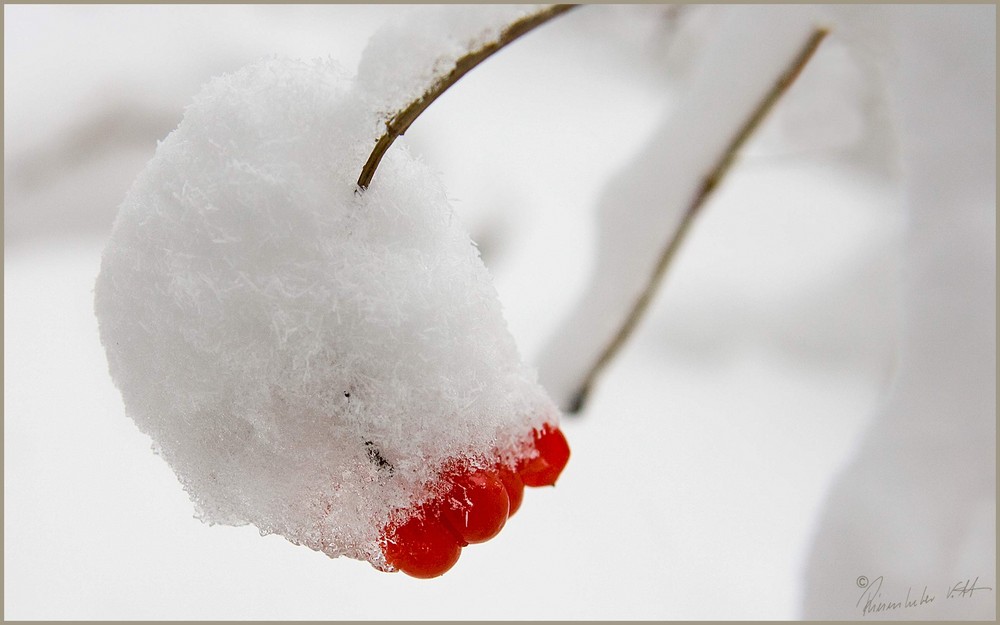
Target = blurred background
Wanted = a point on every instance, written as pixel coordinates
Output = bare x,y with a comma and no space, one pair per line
700,467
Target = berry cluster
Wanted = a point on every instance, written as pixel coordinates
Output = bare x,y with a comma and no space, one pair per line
474,508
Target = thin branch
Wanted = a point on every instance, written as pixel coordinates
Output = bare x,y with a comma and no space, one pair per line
400,122
708,185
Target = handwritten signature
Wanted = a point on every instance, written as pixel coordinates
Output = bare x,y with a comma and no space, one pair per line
965,589
873,601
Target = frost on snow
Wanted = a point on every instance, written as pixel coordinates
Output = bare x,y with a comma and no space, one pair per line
304,356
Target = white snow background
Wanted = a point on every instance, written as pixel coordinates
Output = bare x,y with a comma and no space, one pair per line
773,365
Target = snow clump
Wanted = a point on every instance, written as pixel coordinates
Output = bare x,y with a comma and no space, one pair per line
304,355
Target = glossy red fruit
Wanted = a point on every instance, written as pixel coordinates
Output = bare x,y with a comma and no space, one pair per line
422,547
514,486
553,454
476,506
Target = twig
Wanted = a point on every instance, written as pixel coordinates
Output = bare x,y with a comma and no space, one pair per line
400,122
708,185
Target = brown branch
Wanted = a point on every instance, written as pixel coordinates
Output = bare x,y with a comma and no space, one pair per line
400,122
708,185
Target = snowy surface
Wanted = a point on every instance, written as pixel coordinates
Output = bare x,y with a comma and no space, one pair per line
910,514
701,469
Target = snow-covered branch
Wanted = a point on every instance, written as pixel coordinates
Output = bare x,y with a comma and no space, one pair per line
704,192
448,71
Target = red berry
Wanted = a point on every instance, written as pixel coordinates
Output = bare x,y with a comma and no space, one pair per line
422,546
514,486
553,454
476,507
